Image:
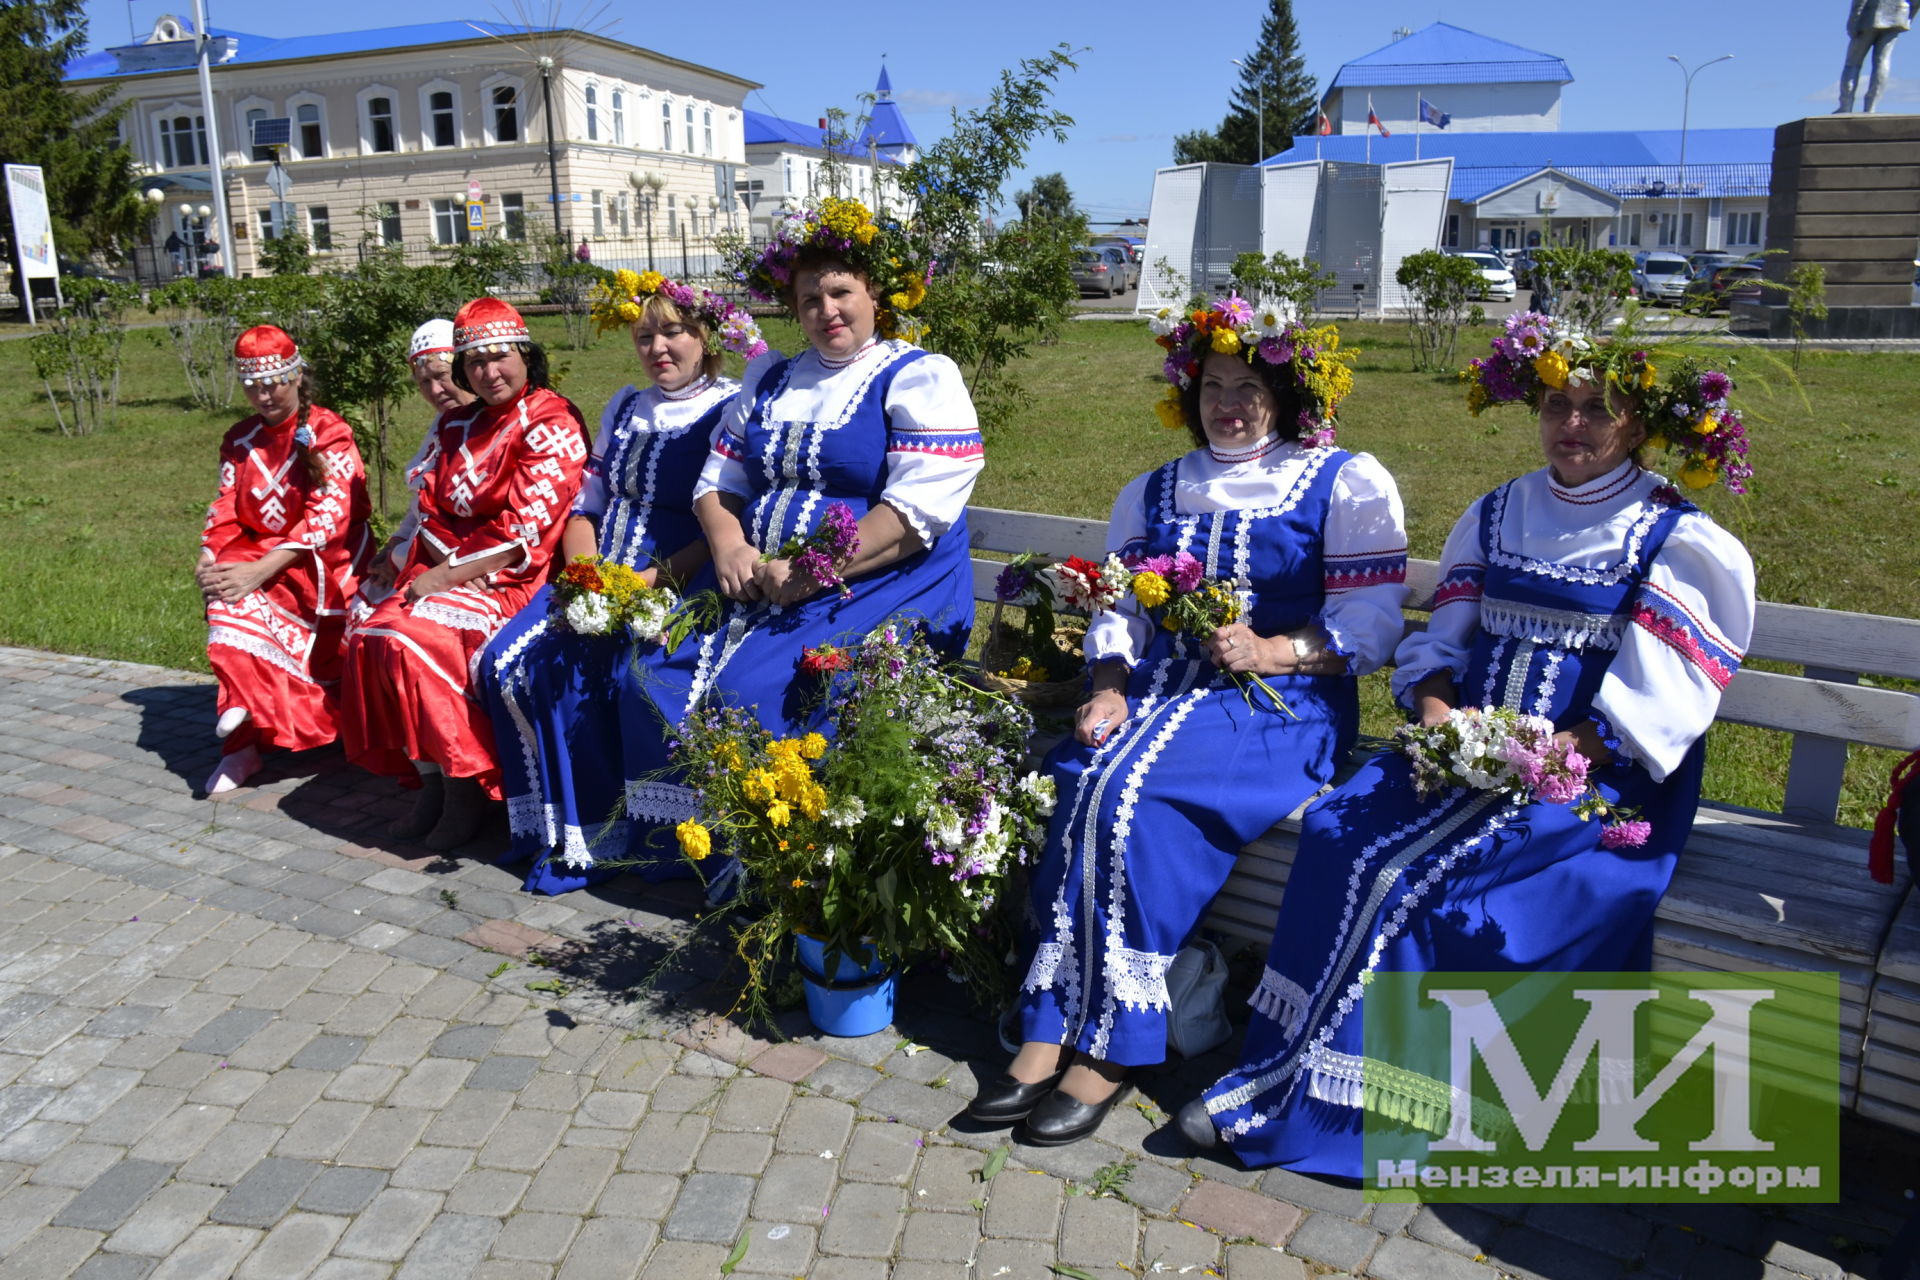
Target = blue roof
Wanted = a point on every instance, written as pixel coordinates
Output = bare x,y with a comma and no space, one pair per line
763,128
1446,54
886,123
1720,162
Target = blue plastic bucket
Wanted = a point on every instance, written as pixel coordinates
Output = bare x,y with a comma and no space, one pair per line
856,999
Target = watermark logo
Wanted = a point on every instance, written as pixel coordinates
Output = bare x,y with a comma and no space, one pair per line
1602,1086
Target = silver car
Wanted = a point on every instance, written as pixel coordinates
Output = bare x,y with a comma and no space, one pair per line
1103,269
1660,278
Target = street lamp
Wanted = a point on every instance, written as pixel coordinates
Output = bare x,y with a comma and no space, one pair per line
646,185
155,197
1686,103
546,64
1260,124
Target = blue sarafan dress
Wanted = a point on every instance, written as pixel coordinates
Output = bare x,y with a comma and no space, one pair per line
1615,601
557,699
892,425
1148,824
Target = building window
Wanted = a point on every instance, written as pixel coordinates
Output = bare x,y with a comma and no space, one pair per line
593,113
506,113
619,118
1667,239
789,171
1453,231
183,141
380,130
307,129
442,123
513,216
673,218
449,221
319,227
268,230
1744,228
666,125
599,213
706,132
254,116
388,213
689,128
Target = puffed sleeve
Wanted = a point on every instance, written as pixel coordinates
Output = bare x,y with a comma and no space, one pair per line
551,453
328,512
1450,632
1691,622
726,468
418,472
934,448
223,525
592,501
1365,554
1122,634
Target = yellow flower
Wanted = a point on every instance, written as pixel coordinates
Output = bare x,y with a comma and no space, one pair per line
695,840
797,883
1646,375
1552,368
1150,589
779,813
1476,398
629,311
813,801
1700,474
649,282
1706,425
916,292
1167,407
813,746
1226,341
757,787
899,301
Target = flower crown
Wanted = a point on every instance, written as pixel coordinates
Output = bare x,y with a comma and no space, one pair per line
846,229
1322,373
1684,408
617,303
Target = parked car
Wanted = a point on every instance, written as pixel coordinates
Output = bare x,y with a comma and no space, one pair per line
1103,269
1520,263
1497,283
1660,278
1700,258
1725,284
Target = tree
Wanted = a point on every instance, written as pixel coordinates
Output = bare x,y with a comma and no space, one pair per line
74,138
1289,95
1442,286
1049,197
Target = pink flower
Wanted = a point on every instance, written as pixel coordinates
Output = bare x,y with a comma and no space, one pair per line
1626,835
1187,572
1235,311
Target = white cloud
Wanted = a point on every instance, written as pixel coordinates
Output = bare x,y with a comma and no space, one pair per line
936,99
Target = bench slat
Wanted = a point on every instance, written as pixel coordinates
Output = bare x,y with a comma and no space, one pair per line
1853,713
994,529
1863,642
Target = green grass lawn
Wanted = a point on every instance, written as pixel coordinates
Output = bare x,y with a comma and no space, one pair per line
98,534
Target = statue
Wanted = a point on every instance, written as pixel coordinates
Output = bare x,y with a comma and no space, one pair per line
1873,26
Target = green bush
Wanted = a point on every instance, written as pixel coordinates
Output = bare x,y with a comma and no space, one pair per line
1442,286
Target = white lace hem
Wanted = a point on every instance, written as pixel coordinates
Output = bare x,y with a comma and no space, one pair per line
662,801
1280,999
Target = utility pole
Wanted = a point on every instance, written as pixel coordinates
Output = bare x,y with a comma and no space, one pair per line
202,41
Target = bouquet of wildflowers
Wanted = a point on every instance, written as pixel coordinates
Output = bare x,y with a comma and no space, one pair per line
899,832
1176,592
594,596
1041,653
1681,402
1085,587
1494,749
820,555
618,301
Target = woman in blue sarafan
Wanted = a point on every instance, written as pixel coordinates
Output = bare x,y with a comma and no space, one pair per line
558,699
1589,592
859,418
1172,768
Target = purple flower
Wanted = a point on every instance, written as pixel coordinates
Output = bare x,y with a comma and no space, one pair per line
1012,583
1276,350
1235,311
1186,572
1714,386
1626,835
1162,565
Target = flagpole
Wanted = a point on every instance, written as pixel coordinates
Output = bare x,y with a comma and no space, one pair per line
1370,119
1417,120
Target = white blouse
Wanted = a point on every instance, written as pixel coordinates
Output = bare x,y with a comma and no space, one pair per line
1365,526
655,411
1691,620
928,483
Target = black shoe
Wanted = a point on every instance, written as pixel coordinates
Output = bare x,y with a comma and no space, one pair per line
1007,1099
1063,1118
1196,1126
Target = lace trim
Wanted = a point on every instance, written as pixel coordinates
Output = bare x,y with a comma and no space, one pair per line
1549,679
1260,449
1564,628
868,348
1280,1000
688,392
259,647
529,815
1137,979
662,801
509,678
1516,689
1050,960
455,617
1606,576
576,849
1603,489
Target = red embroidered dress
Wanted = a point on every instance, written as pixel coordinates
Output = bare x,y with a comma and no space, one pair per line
276,651
505,476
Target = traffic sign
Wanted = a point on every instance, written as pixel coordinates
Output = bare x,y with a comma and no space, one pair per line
278,181
473,191
476,215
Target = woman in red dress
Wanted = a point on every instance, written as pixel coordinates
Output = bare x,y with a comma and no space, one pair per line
285,538
491,510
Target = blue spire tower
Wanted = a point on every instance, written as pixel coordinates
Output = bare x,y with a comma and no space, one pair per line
887,132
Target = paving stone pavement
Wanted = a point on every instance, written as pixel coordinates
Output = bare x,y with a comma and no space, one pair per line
254,1038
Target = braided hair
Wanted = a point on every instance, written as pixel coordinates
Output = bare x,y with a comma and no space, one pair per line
316,470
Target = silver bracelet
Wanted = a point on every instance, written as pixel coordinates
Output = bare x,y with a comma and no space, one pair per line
1302,651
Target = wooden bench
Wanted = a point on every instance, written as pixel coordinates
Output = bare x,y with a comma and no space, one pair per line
1754,890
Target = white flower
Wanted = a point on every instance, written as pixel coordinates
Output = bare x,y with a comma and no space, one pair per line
945,829
590,616
1270,322
846,812
1164,321
650,613
1040,788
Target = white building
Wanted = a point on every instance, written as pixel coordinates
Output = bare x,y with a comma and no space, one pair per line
790,163
1486,85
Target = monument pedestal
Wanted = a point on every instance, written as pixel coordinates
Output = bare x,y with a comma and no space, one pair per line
1846,194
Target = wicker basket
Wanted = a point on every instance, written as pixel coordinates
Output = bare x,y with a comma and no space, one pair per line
1002,650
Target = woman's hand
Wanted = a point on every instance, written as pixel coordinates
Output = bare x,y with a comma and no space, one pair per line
431,583
1434,697
1585,738
780,584
1236,649
1100,716
383,571
738,568
233,580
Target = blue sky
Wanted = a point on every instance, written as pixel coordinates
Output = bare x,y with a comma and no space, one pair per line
1145,75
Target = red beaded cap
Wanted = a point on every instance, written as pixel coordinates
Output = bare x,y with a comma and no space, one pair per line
488,324
267,354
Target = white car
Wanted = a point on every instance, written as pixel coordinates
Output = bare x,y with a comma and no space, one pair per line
1498,284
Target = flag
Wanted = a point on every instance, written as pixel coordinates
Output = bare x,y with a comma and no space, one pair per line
1434,115
1325,127
1374,120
